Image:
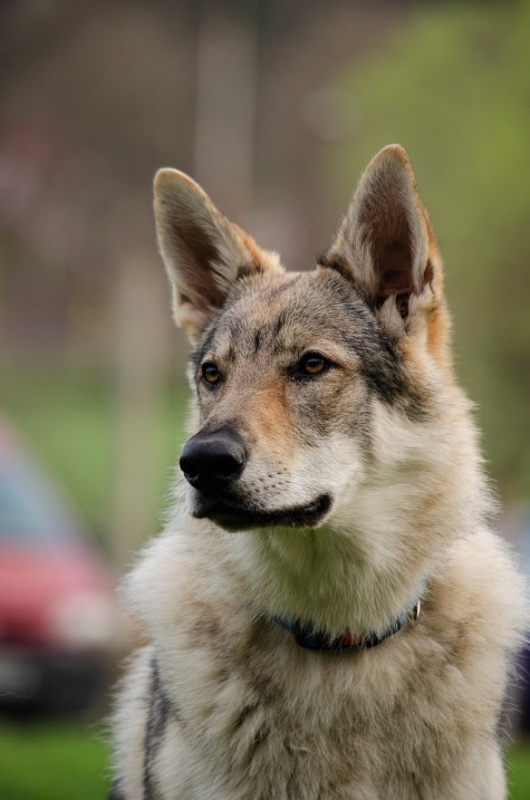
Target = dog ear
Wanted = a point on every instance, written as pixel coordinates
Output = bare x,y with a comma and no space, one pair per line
385,243
202,251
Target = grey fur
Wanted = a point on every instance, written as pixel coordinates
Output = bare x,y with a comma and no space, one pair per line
382,431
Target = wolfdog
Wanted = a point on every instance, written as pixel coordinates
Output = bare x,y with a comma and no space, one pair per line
329,615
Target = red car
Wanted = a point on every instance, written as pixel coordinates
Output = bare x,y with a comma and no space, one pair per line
58,614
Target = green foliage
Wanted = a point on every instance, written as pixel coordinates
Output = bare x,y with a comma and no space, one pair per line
453,86
68,420
71,420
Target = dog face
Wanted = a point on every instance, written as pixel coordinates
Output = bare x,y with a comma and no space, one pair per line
295,373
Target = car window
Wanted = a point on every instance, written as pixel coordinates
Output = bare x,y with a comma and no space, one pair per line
30,508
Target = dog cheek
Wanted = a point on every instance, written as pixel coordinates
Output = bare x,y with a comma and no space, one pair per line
335,465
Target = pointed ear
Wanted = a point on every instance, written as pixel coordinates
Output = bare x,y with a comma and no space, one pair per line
385,243
202,251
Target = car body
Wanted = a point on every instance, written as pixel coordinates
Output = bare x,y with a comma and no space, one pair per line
58,613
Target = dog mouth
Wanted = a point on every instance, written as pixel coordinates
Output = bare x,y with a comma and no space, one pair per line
233,516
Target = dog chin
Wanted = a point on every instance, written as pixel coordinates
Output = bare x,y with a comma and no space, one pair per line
239,517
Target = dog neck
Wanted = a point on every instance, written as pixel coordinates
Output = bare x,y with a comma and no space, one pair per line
308,637
324,578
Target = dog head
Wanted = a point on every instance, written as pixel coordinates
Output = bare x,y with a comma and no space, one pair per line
308,384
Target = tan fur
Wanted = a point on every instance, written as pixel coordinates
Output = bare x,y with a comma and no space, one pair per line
242,712
269,421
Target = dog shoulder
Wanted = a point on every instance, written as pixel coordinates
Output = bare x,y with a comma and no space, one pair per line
481,605
485,568
178,584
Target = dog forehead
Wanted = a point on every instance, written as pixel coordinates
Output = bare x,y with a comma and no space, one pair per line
289,308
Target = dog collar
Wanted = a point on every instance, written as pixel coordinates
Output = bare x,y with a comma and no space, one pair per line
307,636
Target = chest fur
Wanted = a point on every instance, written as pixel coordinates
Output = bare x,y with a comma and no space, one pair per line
266,718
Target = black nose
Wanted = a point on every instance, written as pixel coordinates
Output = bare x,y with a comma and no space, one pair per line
212,458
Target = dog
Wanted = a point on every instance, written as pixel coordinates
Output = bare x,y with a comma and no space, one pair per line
329,615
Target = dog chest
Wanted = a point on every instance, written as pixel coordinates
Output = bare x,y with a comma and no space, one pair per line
286,723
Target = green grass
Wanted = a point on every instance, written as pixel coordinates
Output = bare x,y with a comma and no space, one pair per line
69,762
519,771
52,762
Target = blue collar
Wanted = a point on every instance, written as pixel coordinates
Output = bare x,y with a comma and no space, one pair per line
306,635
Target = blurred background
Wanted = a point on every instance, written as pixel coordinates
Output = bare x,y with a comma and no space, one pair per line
275,108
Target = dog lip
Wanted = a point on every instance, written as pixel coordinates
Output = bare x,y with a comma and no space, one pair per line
239,517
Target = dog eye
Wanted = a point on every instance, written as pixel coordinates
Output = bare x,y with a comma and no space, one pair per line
312,364
210,373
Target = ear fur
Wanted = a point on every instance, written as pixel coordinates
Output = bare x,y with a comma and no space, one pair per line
385,243
202,251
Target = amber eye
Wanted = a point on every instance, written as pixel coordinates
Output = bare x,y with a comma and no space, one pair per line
210,373
313,363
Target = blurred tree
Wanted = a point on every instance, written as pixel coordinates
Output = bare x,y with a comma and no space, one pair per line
454,88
